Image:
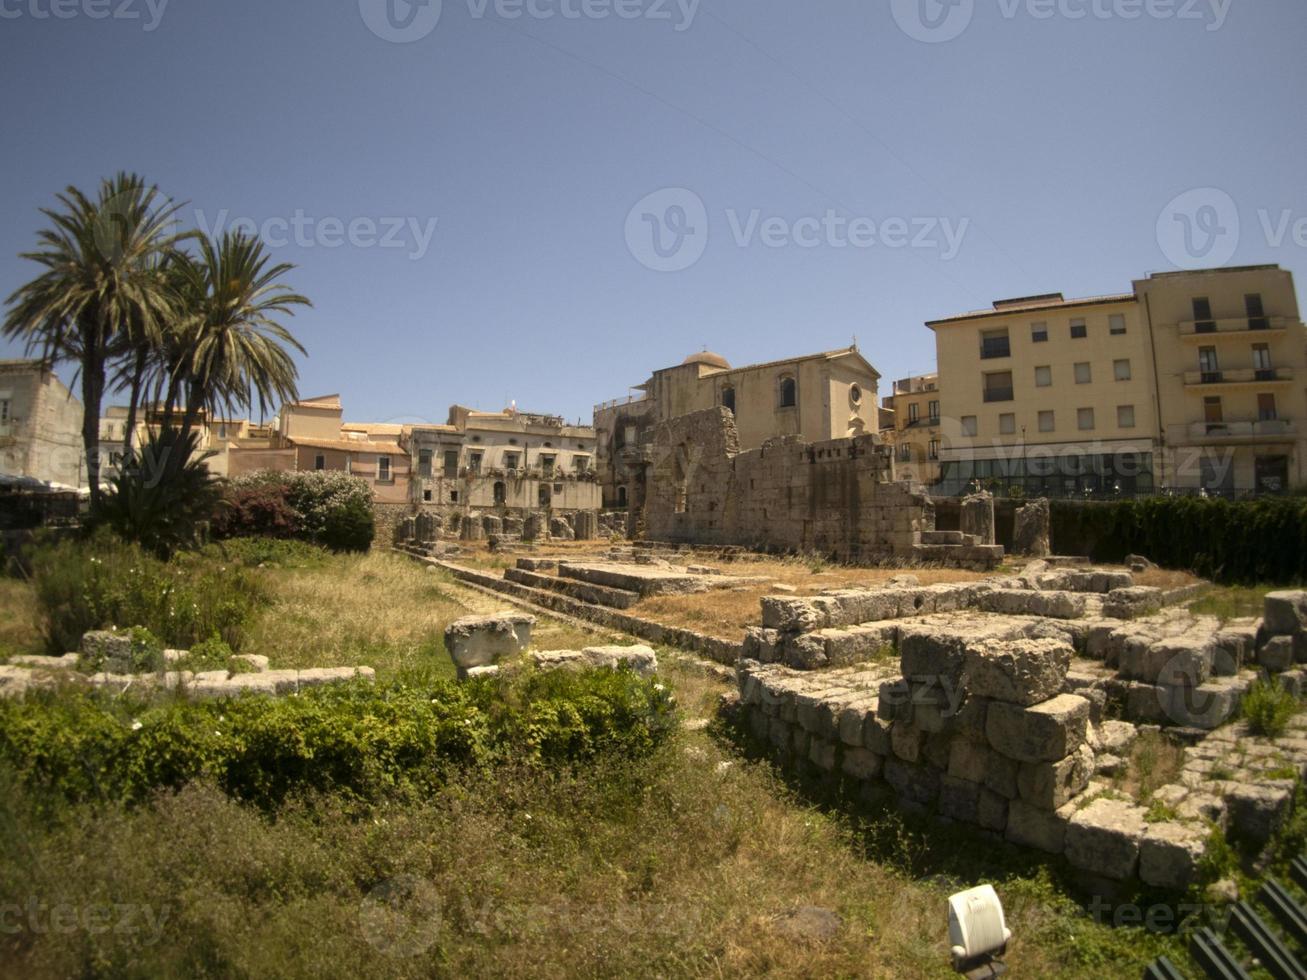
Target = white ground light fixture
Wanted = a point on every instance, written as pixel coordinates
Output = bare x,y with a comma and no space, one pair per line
977,933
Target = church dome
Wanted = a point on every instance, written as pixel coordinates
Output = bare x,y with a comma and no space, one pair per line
709,359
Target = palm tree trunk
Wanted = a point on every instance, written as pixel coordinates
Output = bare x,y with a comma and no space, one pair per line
138,377
92,393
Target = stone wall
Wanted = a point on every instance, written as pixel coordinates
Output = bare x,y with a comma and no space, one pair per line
789,495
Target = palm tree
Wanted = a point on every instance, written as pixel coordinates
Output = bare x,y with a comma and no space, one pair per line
230,350
101,278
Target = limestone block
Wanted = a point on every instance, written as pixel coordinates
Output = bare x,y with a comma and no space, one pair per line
876,734
1132,602
762,644
894,701
560,529
1031,530
918,784
640,659
259,663
932,653
1116,737
860,763
959,799
1206,706
1285,613
1258,810
1104,838
1277,654
791,615
906,741
852,720
1022,672
821,754
111,652
1169,854
969,760
991,810
1049,785
1044,732
1030,602
807,651
978,517
1030,826
477,641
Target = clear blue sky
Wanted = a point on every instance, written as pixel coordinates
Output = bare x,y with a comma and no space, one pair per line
1058,139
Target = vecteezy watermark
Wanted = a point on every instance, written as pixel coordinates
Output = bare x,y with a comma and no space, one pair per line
1202,228
93,918
937,21
411,233
401,916
667,231
406,21
148,12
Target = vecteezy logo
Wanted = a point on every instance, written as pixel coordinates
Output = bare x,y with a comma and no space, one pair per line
1200,228
401,916
667,231
401,21
933,21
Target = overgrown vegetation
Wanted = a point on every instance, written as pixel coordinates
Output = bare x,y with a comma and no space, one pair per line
332,509
103,582
1233,542
354,740
1268,707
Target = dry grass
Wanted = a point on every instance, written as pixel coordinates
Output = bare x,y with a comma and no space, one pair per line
1154,761
1166,578
379,610
19,629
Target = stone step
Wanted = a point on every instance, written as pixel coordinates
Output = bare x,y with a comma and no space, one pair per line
599,595
944,537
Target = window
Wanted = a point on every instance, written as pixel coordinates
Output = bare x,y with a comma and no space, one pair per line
1203,322
969,425
1257,319
934,449
581,463
547,465
998,386
789,392
905,453
933,411
474,462
1208,365
1085,419
621,497
511,460
476,438
995,343
1046,422
1039,333
1271,473
545,495
1125,416
1266,408
383,469
1262,363
1079,331
855,395
424,462
451,464
1043,377
426,496
4,410
631,435
1084,375
1007,424
453,496
1213,414
1121,369
914,413
319,462
728,398
1116,324
501,493
512,442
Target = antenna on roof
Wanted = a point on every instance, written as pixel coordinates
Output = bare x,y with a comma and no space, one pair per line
855,341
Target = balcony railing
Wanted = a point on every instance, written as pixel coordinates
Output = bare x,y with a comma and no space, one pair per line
998,394
990,349
1240,376
1243,429
1241,324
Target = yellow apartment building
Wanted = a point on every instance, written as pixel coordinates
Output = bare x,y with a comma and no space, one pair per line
910,425
1193,381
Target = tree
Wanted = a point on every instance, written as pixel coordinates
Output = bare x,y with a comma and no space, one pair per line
229,349
101,278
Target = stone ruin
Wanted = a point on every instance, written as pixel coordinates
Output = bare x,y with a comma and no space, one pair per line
431,533
479,645
831,498
1005,704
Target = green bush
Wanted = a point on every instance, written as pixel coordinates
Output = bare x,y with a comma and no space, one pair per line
328,508
254,552
1268,707
103,582
211,654
353,739
1234,542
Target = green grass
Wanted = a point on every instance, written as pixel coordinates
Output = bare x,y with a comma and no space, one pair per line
1268,707
1228,602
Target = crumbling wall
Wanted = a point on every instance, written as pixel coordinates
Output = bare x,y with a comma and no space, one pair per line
789,495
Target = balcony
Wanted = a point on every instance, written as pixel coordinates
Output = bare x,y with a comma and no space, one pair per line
991,349
1237,431
1240,376
1203,329
998,395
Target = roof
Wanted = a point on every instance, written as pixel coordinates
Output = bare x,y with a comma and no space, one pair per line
374,428
1008,307
830,355
321,401
708,359
351,446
